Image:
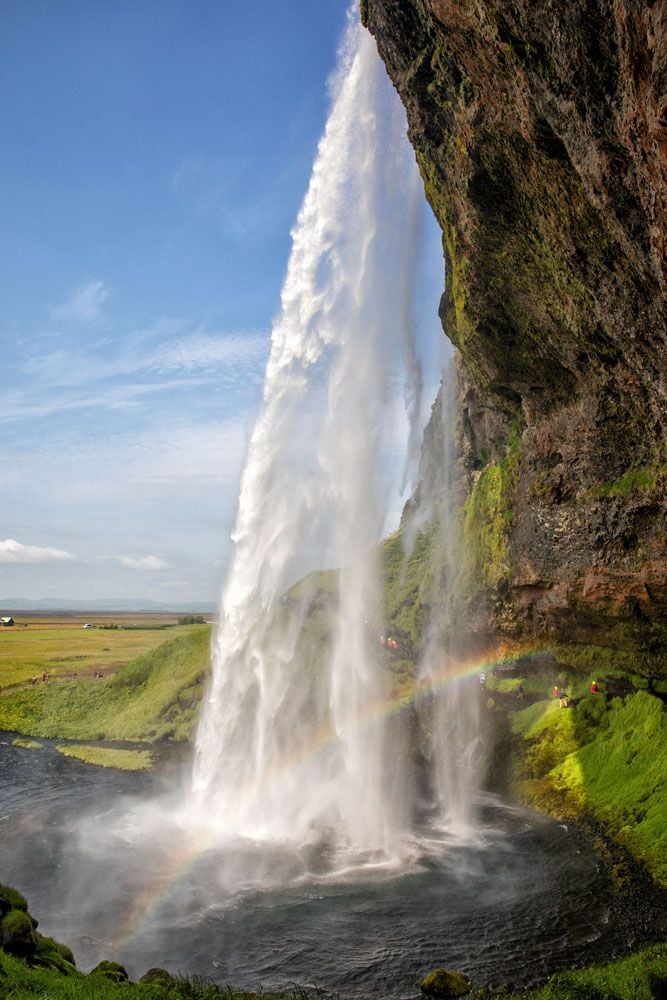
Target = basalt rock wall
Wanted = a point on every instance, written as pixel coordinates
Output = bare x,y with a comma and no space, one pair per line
539,129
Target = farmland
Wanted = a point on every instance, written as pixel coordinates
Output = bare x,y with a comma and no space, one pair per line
60,646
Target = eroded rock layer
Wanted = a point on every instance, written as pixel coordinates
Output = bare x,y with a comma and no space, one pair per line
539,128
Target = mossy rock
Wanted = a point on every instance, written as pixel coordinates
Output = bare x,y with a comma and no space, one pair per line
10,899
441,984
51,954
158,977
111,970
17,934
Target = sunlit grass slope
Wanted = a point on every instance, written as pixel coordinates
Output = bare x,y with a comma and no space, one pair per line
605,759
153,697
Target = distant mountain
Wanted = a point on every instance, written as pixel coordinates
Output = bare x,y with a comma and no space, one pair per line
109,604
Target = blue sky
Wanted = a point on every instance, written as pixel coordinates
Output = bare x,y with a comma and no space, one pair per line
154,158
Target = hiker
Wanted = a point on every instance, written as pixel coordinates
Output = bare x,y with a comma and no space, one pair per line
43,675
34,680
519,692
650,679
562,701
594,687
556,694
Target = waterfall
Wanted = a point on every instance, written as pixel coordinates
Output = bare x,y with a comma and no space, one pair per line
292,744
453,715
287,749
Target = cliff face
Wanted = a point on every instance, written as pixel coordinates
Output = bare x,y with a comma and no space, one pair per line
539,128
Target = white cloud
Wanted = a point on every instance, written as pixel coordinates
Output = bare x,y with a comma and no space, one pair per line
15,553
152,564
85,303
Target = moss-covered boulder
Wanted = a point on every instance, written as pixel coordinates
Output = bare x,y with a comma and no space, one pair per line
17,934
11,899
158,977
442,984
51,954
111,970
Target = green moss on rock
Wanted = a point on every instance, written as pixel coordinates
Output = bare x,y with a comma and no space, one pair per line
11,899
442,984
17,934
111,970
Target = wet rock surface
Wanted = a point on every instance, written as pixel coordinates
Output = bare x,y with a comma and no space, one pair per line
540,134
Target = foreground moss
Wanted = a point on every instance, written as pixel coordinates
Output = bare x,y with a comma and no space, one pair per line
18,981
122,760
153,697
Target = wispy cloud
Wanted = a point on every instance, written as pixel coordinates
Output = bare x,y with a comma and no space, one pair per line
167,357
16,553
23,404
151,564
85,303
166,347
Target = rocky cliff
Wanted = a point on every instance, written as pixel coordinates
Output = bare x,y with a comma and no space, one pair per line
539,128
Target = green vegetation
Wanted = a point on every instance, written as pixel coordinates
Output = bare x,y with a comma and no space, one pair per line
191,620
20,741
21,982
598,661
607,760
122,760
642,976
643,479
408,582
487,520
153,697
63,648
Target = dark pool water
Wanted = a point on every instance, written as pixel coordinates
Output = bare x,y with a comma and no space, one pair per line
114,878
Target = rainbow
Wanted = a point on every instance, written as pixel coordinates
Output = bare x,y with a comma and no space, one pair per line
178,866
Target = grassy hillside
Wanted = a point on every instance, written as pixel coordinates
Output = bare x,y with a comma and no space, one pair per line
604,758
153,697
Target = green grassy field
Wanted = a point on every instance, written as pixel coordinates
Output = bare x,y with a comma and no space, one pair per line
61,646
154,696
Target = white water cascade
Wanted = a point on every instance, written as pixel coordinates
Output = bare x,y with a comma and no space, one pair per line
291,746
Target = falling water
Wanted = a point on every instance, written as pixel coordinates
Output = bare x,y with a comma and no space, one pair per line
289,749
452,716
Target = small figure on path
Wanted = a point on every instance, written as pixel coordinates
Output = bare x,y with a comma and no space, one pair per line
563,698
594,687
650,680
33,679
43,675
